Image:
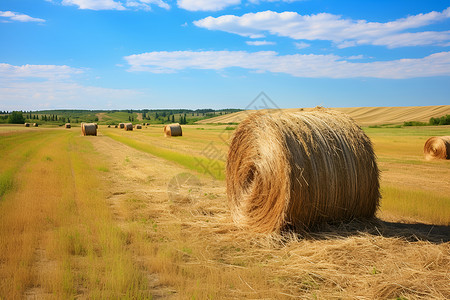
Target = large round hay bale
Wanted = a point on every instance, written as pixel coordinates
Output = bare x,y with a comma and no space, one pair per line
115,126
89,129
67,125
35,125
121,125
128,126
138,126
437,147
27,124
297,170
173,130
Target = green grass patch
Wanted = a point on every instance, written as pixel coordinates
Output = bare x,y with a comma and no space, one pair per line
200,164
417,204
6,182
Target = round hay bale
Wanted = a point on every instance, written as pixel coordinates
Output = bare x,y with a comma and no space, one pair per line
89,129
109,126
121,125
138,126
96,125
27,124
67,125
115,126
35,125
437,147
297,170
129,127
173,130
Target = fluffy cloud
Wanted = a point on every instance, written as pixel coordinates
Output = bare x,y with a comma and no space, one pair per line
13,16
50,86
301,45
325,26
50,72
311,66
116,5
259,43
206,5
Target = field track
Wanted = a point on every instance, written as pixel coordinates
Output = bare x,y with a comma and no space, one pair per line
125,215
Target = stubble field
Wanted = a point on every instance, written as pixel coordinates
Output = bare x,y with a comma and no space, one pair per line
136,215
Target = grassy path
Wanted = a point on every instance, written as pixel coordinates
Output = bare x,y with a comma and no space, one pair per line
57,235
201,164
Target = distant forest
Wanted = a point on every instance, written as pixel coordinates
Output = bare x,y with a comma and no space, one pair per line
112,117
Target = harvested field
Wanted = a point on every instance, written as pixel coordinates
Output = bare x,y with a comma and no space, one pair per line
129,224
364,116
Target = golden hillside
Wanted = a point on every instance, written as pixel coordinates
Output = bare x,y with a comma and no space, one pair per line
364,116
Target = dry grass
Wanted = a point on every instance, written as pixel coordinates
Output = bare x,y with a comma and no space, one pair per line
114,231
58,242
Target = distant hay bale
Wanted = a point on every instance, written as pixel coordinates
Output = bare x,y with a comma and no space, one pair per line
297,170
138,126
121,125
173,130
109,126
89,129
27,124
146,124
129,127
35,125
67,125
437,147
115,126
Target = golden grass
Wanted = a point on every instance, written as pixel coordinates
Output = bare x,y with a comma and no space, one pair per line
62,241
415,204
113,231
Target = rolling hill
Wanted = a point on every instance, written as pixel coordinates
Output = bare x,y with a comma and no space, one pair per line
364,116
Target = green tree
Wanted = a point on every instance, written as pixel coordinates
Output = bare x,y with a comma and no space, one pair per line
16,117
173,118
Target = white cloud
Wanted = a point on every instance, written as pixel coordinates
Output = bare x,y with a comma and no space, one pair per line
116,5
310,66
50,72
206,5
259,43
325,26
13,16
356,57
33,87
95,4
301,45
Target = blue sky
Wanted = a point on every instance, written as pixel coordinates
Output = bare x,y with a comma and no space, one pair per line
134,54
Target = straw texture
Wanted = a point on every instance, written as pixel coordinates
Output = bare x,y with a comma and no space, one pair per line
173,130
297,170
129,127
88,129
437,147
